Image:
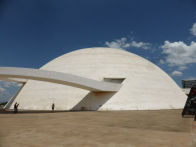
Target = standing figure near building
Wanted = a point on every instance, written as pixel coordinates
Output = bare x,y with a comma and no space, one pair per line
16,107
53,106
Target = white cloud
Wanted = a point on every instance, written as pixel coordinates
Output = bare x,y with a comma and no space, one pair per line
182,68
124,44
4,95
140,44
18,84
6,90
193,29
10,84
191,78
176,73
118,43
2,89
179,53
161,61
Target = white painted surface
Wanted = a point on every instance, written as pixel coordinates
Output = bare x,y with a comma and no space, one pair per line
186,90
58,78
146,86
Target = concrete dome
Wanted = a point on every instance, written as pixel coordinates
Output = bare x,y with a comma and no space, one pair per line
144,85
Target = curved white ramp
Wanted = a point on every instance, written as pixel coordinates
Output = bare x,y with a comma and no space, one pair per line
58,77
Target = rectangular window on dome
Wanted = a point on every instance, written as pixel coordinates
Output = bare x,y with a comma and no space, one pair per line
114,80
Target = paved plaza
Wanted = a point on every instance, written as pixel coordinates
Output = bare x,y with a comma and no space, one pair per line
163,128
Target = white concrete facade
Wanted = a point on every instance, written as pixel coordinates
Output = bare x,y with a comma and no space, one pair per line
145,85
12,73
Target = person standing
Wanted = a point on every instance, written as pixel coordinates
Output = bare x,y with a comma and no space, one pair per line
53,106
16,107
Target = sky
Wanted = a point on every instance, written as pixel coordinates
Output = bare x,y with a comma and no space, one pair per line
33,32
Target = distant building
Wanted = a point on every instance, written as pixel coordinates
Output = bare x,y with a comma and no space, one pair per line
188,83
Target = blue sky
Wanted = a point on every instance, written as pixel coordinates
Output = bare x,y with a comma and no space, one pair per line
33,32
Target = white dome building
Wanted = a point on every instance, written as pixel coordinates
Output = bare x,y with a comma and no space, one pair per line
144,85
